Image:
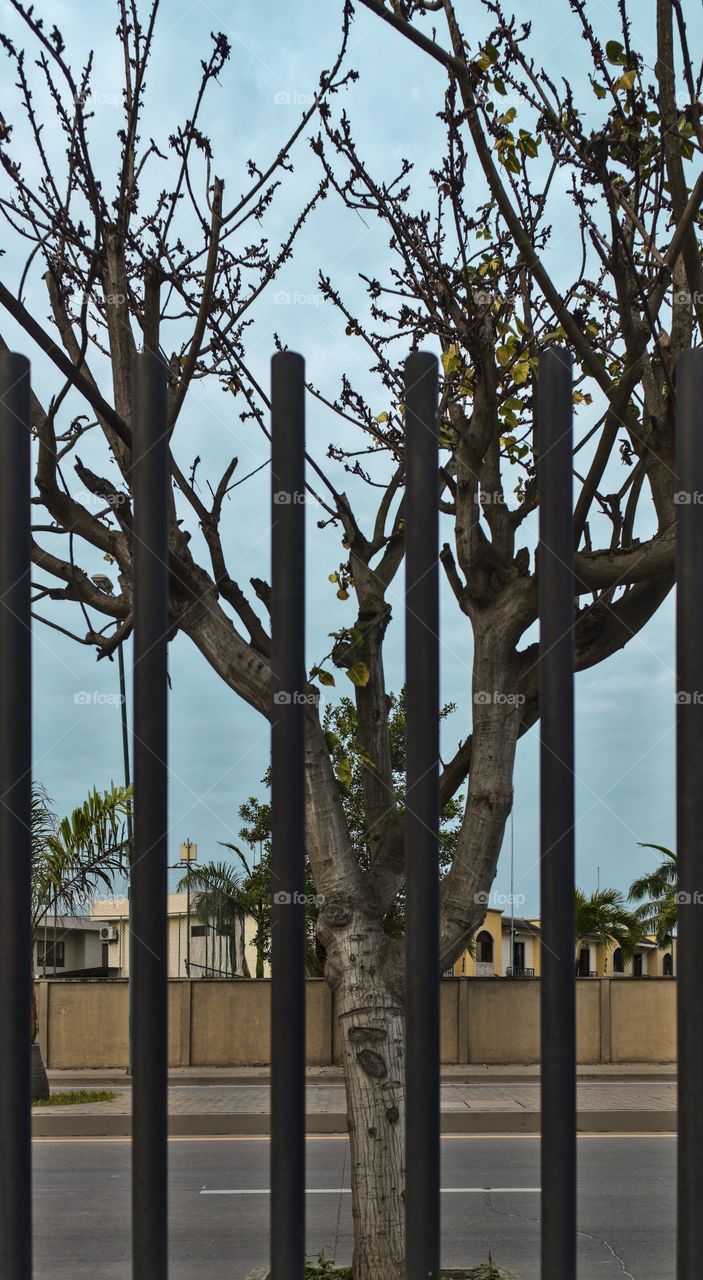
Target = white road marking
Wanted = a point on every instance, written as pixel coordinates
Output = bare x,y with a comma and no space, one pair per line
346,1191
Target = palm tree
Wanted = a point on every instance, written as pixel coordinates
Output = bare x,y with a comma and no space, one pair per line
656,894
71,858
224,896
230,897
605,916
257,891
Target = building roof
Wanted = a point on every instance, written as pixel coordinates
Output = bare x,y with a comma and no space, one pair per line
520,925
83,924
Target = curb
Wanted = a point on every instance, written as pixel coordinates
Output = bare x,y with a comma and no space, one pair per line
114,1080
248,1124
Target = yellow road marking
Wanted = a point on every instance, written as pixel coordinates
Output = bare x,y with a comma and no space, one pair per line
341,1137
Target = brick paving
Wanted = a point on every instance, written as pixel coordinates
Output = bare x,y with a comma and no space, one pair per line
328,1097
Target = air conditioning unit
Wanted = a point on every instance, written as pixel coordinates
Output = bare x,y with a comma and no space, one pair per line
108,933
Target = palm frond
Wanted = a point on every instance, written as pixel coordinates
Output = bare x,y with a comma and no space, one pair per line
85,851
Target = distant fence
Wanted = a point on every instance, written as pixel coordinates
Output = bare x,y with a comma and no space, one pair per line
483,1020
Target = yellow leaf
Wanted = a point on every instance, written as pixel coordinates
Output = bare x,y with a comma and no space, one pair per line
450,359
359,673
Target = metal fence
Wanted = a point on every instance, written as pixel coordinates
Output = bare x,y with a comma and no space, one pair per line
149,869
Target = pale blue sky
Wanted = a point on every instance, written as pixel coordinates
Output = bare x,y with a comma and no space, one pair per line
625,709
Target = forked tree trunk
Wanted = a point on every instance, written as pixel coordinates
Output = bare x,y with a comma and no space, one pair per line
372,1032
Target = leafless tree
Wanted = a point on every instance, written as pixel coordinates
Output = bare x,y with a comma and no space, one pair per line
473,273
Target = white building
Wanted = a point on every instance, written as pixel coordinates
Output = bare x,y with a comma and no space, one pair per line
195,949
73,947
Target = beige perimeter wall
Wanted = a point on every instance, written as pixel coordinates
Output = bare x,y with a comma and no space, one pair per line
221,1023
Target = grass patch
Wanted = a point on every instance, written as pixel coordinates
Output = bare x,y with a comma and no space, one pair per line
323,1268
71,1096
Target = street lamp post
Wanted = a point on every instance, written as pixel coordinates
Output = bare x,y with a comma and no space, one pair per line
189,854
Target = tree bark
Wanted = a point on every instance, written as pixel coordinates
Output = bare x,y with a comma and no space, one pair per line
372,1030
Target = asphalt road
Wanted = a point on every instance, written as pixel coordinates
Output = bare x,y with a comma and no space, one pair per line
82,1197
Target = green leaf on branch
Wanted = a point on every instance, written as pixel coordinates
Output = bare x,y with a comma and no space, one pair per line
615,53
344,772
528,145
487,56
509,160
324,677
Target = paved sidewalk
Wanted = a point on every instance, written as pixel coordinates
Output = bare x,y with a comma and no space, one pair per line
468,1073
608,1104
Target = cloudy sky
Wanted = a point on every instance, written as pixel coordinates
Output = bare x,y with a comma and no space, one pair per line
219,748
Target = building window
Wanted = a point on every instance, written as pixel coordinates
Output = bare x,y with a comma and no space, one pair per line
198,930
485,947
585,962
637,966
618,962
50,955
668,966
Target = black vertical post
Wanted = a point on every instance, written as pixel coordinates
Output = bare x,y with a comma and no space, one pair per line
288,686
148,974
130,832
422,818
15,822
556,704
689,807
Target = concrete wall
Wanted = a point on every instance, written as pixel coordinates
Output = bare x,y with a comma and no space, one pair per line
483,1020
643,1027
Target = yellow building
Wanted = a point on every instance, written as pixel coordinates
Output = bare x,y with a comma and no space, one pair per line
594,960
489,955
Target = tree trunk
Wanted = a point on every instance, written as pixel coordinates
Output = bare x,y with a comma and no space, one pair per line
40,1080
372,1030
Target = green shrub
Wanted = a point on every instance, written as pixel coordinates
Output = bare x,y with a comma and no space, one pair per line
72,1096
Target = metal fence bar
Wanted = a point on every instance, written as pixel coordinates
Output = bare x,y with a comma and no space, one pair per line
689,808
422,819
15,822
556,700
148,976
288,685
